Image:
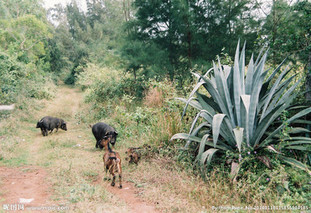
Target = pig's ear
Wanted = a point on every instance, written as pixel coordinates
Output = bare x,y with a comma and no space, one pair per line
115,132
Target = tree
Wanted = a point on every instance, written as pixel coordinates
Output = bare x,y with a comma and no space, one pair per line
24,49
302,40
93,36
190,31
16,8
288,32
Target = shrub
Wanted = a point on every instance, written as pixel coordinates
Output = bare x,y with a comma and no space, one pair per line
240,110
19,79
104,84
10,72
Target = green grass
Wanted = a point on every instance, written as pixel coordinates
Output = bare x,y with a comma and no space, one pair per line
16,161
13,153
4,114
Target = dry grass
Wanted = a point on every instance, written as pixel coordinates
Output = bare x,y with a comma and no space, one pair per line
171,190
175,190
154,97
166,126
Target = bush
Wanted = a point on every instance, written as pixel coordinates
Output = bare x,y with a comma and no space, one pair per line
10,72
19,79
103,84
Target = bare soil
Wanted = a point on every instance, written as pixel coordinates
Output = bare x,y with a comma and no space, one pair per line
129,194
29,182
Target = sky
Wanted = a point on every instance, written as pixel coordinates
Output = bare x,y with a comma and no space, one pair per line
50,3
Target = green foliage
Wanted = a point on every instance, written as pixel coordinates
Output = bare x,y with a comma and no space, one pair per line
287,31
105,85
140,59
17,8
151,119
24,52
279,185
18,78
241,109
81,37
183,33
9,71
25,36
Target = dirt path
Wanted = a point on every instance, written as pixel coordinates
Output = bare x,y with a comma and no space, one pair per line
24,187
47,158
128,194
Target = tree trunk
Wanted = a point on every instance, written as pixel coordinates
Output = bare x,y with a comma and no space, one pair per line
308,81
274,31
189,37
125,11
308,91
189,47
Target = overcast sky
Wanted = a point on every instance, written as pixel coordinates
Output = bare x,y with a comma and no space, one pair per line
51,3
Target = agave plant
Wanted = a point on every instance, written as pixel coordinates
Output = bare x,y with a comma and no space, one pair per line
240,106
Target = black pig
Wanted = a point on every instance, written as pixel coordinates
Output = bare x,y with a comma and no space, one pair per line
49,123
100,130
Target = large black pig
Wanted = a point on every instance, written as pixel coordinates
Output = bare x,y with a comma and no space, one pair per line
100,130
49,123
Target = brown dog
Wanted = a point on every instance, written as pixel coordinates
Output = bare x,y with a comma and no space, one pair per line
133,155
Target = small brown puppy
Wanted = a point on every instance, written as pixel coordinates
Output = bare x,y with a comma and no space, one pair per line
112,160
133,155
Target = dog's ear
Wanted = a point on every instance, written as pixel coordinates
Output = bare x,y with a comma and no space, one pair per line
105,137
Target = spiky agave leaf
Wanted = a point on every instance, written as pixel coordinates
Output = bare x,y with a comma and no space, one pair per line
207,156
295,163
217,120
205,139
241,107
290,120
185,136
238,133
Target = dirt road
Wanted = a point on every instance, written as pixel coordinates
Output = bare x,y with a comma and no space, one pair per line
63,169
